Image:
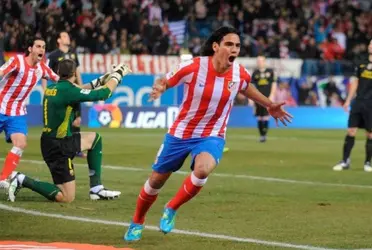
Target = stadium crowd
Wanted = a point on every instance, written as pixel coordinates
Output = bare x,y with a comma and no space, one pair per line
309,29
323,32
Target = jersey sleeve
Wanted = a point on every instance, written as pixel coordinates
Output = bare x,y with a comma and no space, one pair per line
254,77
245,78
76,59
274,76
11,65
183,73
77,95
52,61
48,73
357,70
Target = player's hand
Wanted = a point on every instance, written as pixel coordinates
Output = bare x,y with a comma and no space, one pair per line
346,106
120,71
276,110
76,122
158,88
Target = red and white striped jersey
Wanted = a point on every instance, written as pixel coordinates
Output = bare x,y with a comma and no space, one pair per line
208,97
18,81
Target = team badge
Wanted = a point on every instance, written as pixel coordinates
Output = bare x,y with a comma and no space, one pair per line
268,74
369,66
232,85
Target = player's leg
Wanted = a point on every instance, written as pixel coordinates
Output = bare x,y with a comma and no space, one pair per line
261,115
64,192
367,115
206,155
92,142
170,157
75,128
16,132
265,124
61,169
355,120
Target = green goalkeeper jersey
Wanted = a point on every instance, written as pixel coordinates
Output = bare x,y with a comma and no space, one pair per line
58,106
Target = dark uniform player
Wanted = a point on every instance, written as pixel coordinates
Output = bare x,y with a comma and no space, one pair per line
59,145
360,114
63,52
265,81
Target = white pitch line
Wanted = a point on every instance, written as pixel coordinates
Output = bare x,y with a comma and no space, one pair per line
236,176
154,228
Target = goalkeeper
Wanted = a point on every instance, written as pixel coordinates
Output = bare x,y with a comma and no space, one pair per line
59,145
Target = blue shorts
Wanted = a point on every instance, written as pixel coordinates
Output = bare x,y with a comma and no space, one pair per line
12,125
174,151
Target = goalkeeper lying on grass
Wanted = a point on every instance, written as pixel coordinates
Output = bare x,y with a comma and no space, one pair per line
59,145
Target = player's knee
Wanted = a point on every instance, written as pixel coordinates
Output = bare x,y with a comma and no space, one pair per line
157,180
68,198
369,135
64,198
351,131
19,142
59,197
203,169
156,183
204,165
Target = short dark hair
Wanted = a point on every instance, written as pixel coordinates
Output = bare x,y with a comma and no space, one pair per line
30,42
216,37
66,69
60,33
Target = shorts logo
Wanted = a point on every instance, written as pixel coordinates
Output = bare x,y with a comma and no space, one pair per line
72,172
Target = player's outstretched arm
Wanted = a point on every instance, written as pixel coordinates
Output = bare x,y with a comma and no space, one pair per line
254,94
77,94
275,109
9,66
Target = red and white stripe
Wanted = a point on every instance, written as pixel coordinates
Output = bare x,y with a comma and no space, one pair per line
208,97
18,81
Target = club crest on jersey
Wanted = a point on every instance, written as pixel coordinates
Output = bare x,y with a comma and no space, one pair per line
232,85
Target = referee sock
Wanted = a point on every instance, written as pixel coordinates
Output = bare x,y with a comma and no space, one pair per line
46,189
260,125
348,146
95,161
368,150
11,162
265,128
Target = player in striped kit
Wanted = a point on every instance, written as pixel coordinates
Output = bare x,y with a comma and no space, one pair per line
18,76
211,83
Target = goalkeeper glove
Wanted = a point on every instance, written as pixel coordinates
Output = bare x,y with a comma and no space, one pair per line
100,81
119,72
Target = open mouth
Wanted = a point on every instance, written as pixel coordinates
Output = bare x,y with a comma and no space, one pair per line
231,59
39,56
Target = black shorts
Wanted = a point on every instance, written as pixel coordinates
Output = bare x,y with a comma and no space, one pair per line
58,155
260,110
361,115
